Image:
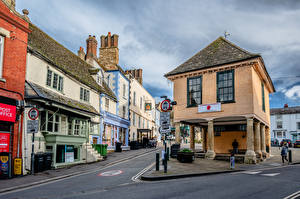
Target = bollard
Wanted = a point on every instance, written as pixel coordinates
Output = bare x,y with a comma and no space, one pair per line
165,164
290,156
157,161
232,161
168,153
163,157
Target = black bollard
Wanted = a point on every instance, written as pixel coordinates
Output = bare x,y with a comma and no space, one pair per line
165,164
290,156
157,161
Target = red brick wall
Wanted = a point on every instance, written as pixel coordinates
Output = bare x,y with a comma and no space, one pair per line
14,63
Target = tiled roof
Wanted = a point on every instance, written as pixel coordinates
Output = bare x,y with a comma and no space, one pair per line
34,91
219,52
288,110
41,43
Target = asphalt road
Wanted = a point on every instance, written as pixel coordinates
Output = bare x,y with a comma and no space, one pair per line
273,183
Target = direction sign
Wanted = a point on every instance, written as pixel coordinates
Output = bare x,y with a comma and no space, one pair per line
165,105
32,126
33,113
165,122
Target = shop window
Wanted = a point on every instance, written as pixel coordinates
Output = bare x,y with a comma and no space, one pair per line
225,86
194,87
43,120
60,153
50,122
1,54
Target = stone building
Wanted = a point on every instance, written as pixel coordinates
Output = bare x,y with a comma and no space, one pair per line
224,89
13,38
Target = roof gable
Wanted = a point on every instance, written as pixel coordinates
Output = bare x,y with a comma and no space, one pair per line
64,59
221,51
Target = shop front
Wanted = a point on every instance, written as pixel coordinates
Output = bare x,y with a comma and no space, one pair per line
114,129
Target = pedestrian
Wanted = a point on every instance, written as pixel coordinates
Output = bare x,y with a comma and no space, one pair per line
284,152
235,146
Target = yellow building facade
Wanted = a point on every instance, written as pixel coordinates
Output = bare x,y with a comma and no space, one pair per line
224,90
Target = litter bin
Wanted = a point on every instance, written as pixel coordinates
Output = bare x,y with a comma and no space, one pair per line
104,150
118,147
38,162
47,161
174,149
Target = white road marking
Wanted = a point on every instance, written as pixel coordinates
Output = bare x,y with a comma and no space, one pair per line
251,172
137,176
293,195
270,174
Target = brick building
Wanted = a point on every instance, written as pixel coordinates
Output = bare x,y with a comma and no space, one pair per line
224,89
13,45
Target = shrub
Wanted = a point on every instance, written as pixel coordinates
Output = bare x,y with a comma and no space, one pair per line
185,150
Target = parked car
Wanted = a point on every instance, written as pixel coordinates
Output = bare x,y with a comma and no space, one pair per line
284,141
297,144
274,142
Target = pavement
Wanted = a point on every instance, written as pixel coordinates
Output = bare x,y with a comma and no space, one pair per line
52,175
201,167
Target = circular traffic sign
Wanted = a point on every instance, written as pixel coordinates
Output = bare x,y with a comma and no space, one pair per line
111,173
33,113
165,105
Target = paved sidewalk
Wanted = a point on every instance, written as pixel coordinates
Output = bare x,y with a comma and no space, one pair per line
49,175
208,167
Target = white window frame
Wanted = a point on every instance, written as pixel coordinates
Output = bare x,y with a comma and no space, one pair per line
59,81
84,94
278,125
2,39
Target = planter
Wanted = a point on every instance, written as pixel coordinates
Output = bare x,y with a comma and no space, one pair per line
185,157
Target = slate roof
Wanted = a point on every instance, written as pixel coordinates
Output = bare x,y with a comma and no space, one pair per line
221,51
288,110
55,53
34,91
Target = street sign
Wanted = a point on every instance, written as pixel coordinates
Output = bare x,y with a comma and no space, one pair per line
32,126
18,166
33,113
165,122
165,105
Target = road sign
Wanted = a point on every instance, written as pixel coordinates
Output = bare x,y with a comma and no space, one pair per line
32,126
165,122
33,113
18,166
165,105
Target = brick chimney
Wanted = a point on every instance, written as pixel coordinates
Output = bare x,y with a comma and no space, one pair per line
81,53
285,106
137,74
91,47
109,51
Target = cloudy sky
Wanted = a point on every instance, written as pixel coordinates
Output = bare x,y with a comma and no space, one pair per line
159,35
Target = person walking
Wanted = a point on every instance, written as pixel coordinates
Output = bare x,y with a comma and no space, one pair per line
284,152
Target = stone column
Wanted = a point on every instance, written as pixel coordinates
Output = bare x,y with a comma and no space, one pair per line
118,132
210,154
203,138
250,157
257,144
192,137
177,133
263,140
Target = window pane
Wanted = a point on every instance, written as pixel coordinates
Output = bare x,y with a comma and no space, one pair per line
60,83
56,127
49,77
43,121
81,93
55,80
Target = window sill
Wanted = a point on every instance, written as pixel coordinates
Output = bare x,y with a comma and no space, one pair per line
2,80
191,106
227,102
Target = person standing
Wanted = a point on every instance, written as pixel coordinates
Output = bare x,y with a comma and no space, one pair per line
284,152
235,146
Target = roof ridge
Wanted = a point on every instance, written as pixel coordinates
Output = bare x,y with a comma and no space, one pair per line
236,46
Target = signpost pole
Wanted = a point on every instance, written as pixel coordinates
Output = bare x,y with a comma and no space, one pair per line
32,155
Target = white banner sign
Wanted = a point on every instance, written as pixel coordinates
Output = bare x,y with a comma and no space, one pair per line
209,108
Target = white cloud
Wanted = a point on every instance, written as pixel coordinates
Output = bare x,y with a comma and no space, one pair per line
293,93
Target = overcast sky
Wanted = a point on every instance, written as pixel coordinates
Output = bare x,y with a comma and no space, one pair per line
157,36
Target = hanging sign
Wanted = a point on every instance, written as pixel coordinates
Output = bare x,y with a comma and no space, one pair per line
7,113
209,108
148,107
4,142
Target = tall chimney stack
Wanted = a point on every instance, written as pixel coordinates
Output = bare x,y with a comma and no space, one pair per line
91,47
109,51
81,53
